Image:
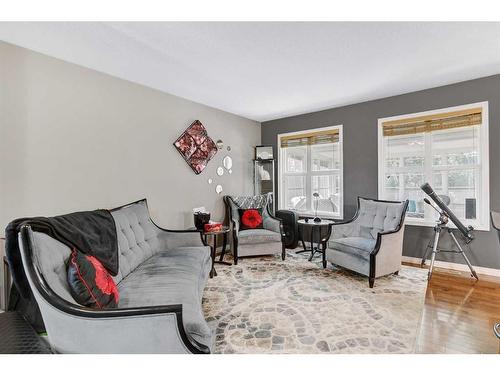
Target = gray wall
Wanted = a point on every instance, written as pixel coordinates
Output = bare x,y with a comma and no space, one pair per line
360,151
75,139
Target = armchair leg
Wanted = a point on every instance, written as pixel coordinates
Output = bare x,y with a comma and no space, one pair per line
396,273
235,251
283,251
371,281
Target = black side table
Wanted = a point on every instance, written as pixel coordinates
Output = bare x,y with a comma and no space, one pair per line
18,337
323,230
213,247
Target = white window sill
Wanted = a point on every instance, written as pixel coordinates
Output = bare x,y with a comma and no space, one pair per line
429,223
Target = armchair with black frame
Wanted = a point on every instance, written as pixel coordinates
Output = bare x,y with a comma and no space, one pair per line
268,240
371,243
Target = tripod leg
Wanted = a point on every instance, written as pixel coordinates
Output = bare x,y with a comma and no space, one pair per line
472,271
424,258
434,252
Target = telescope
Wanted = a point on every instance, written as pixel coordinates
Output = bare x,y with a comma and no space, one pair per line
466,231
445,214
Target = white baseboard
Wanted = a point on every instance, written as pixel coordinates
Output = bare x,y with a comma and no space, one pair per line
455,266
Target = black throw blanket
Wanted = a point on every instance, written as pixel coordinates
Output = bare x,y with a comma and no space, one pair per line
91,232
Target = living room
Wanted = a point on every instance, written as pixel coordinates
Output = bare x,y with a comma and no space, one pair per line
242,188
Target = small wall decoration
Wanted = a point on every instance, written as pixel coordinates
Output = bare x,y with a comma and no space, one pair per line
227,162
196,147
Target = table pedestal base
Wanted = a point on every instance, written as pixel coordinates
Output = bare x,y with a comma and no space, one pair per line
322,242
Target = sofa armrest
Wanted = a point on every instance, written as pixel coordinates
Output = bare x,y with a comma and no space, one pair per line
273,223
344,229
235,226
182,238
159,332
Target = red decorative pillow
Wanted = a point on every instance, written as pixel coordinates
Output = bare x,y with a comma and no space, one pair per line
90,283
251,218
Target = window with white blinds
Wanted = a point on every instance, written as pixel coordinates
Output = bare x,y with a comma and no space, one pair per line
447,148
311,162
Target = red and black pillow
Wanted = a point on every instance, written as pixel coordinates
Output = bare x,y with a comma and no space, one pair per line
251,218
90,283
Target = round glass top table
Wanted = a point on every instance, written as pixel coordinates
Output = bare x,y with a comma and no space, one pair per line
320,232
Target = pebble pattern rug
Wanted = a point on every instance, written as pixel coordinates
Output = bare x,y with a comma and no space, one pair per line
265,305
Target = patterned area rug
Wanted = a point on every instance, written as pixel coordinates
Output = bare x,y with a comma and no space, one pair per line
265,305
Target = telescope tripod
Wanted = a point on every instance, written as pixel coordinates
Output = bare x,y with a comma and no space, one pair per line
436,250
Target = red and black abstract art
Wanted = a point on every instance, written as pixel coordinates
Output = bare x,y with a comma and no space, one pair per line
196,147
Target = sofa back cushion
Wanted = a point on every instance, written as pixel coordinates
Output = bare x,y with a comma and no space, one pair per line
137,237
376,216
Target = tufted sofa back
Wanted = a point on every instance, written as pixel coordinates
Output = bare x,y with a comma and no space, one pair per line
137,241
137,237
380,216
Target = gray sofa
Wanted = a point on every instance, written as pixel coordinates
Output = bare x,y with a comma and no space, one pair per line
252,242
162,275
371,243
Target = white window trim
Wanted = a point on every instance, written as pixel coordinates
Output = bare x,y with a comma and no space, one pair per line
341,153
482,222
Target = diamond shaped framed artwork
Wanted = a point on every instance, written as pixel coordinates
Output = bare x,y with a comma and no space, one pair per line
196,147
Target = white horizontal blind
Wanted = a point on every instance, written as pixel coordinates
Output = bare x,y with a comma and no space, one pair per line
313,138
429,123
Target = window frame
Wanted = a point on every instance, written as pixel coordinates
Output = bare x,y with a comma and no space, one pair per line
482,221
310,173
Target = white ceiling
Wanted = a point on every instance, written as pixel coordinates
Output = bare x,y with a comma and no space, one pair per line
265,71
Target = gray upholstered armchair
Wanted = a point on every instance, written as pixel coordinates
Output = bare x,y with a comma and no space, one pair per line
371,243
251,242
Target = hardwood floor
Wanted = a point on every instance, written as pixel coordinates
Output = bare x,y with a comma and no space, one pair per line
459,314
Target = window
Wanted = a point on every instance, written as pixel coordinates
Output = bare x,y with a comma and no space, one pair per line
311,162
447,148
